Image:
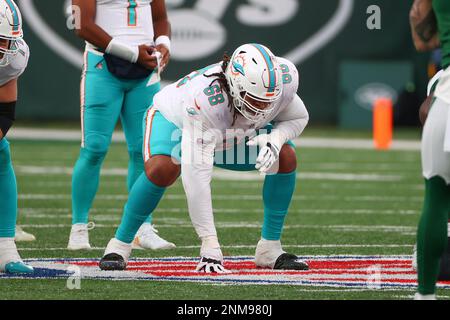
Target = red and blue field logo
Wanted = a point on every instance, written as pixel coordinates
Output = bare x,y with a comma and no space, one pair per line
376,272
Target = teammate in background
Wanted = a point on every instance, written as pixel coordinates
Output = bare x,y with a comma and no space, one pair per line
127,46
14,54
430,22
224,111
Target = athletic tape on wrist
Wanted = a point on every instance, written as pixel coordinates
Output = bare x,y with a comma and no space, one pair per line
164,40
124,51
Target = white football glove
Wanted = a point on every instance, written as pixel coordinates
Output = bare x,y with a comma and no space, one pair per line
207,265
270,146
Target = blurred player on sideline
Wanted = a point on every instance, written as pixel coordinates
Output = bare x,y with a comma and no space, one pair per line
14,54
240,115
444,270
430,22
127,45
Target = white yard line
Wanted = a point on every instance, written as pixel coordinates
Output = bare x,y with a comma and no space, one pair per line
220,174
55,213
332,143
249,185
248,197
339,143
245,225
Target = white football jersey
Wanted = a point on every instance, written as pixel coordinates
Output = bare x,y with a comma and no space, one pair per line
198,97
130,21
16,65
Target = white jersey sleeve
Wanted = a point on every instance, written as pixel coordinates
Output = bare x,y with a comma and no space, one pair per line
197,148
292,116
17,64
292,120
290,80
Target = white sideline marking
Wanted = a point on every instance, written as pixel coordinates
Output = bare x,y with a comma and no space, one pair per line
252,176
339,143
237,225
250,185
44,213
252,246
220,174
248,197
118,136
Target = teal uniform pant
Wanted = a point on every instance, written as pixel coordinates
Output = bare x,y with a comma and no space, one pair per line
104,99
164,140
8,193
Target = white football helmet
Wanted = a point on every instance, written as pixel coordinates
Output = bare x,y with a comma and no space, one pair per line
10,29
255,80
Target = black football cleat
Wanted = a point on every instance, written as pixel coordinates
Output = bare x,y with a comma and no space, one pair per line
112,262
444,268
289,261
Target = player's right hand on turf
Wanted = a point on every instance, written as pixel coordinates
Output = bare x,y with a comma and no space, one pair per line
146,57
207,265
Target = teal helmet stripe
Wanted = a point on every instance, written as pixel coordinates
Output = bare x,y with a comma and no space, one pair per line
16,20
271,67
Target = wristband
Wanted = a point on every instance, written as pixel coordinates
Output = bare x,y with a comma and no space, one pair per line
164,40
124,51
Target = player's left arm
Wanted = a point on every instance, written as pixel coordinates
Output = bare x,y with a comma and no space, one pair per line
291,122
162,30
8,99
288,124
424,25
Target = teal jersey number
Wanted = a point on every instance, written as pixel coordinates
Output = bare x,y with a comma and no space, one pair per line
215,95
132,14
287,78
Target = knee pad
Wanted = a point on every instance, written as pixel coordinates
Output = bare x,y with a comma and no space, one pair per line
7,116
96,143
136,156
95,148
95,158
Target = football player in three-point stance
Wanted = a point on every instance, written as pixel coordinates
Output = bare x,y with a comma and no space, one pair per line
430,22
239,115
126,42
14,54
